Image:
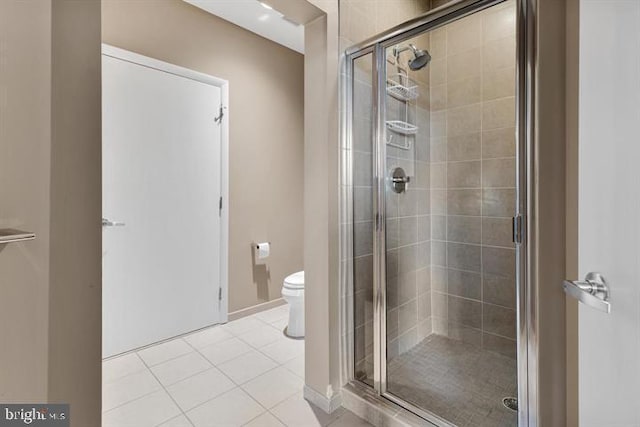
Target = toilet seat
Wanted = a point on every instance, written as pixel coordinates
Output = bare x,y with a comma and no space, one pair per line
294,281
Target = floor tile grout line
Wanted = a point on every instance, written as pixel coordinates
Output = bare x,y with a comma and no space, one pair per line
169,394
148,367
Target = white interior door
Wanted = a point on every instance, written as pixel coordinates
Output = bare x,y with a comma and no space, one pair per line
161,188
609,213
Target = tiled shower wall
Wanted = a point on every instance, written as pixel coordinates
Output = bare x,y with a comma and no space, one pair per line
473,179
408,221
360,19
362,217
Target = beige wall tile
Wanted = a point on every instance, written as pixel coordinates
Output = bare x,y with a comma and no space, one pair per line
438,202
464,284
466,334
438,95
464,229
498,202
407,290
438,70
464,257
497,232
424,228
392,233
439,175
463,65
438,124
464,312
499,24
438,253
423,279
407,230
499,83
463,92
424,306
439,279
439,305
464,120
463,202
438,227
463,174
499,320
499,54
499,290
500,113
464,34
499,173
499,143
499,261
464,147
438,43
438,149
407,316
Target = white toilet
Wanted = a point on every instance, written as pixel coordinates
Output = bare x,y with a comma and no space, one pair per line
293,294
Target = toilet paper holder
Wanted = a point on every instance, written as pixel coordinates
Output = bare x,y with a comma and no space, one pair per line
256,246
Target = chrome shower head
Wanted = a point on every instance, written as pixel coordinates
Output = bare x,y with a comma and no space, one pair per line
420,58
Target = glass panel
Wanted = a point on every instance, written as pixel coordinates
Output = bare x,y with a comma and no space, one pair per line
451,286
362,148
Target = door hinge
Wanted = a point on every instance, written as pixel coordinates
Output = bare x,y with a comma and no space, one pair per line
219,294
517,228
220,114
220,207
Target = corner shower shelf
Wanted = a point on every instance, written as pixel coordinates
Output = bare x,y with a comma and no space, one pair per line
9,235
402,87
403,128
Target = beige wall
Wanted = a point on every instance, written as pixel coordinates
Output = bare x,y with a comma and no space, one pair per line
50,184
75,293
572,79
321,247
266,129
25,150
549,211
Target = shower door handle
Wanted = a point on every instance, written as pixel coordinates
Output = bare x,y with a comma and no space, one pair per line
108,223
593,291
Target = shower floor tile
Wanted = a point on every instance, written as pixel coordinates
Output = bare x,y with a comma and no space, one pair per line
459,382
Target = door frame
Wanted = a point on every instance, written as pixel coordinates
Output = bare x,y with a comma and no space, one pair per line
223,85
524,215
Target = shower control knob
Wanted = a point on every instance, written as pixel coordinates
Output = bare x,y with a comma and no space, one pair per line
399,180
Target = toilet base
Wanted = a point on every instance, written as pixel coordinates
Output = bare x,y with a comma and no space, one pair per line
295,327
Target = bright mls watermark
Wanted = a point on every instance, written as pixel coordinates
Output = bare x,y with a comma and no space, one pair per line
38,415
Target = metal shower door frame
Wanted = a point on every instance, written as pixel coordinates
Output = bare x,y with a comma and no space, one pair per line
527,345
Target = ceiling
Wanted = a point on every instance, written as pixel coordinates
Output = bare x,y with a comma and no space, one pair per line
255,17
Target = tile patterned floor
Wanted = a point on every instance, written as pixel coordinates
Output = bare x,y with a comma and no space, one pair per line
244,373
458,382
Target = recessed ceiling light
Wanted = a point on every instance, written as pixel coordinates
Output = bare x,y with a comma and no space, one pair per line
263,17
266,6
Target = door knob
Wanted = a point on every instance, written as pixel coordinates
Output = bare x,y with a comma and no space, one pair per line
593,291
108,223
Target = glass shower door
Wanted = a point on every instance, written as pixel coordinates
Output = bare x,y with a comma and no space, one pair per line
448,109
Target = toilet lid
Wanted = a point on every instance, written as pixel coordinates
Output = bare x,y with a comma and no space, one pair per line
295,281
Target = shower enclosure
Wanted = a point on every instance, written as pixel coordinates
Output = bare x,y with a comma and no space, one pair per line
433,174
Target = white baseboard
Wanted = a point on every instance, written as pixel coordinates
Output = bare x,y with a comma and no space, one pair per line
238,314
327,403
